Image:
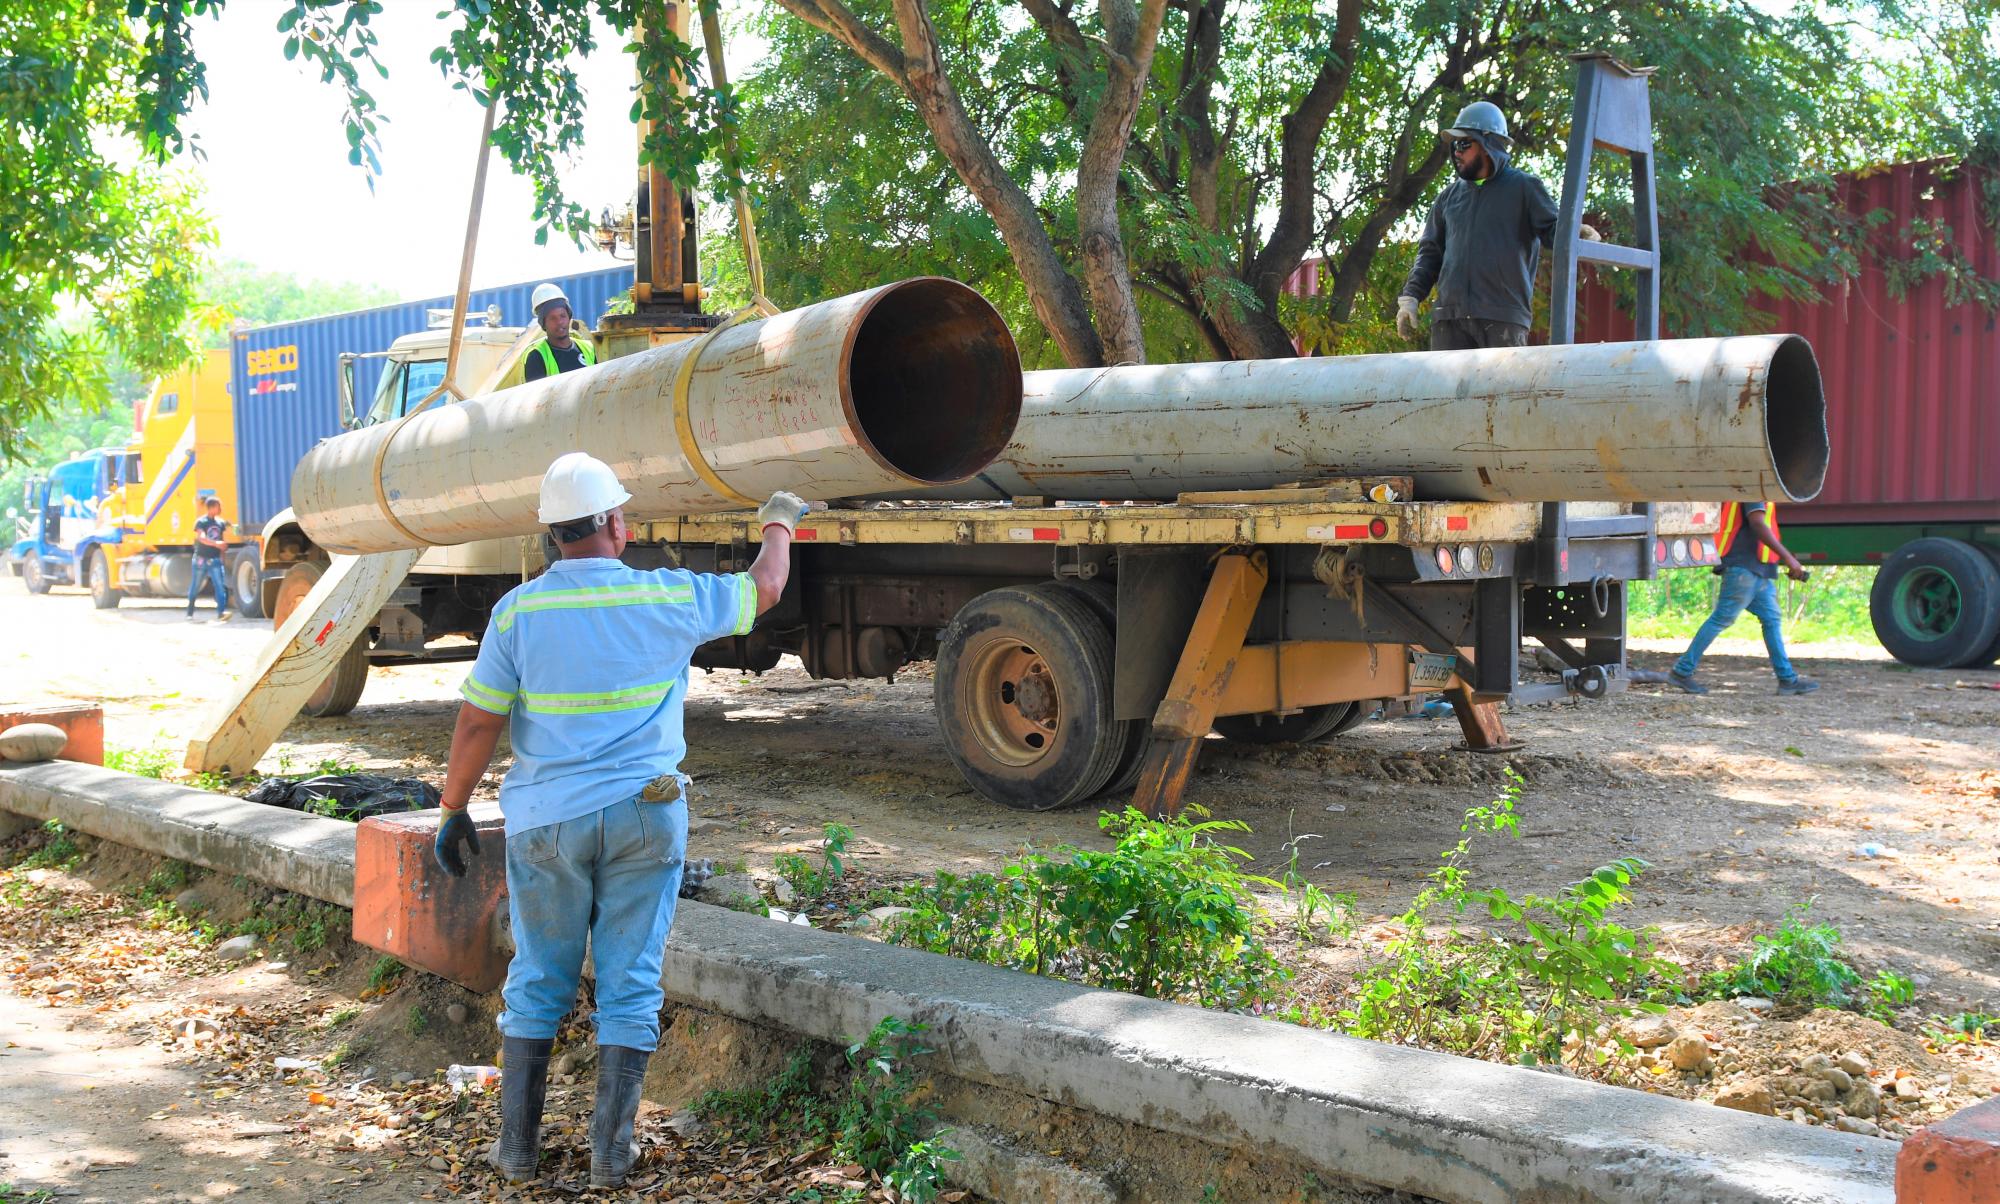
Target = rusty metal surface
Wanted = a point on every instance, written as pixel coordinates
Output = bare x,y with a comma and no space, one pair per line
1200,681
915,383
1691,420
1912,379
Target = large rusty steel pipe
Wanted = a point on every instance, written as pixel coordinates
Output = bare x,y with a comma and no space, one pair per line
1686,419
903,387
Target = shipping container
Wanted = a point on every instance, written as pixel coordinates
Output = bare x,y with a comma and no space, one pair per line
287,376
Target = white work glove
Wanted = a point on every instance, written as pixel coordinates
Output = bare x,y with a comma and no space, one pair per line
1406,316
1589,232
783,510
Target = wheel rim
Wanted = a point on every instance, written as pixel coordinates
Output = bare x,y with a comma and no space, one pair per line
31,570
1015,709
1928,605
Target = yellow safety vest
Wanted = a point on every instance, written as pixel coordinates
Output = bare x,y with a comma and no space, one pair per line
1732,522
549,368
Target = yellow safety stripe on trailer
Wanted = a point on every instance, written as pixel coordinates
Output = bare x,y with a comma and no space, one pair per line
1409,523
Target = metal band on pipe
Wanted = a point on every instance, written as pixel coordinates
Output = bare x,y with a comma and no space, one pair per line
684,426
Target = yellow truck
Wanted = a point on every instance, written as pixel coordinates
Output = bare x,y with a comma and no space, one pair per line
185,452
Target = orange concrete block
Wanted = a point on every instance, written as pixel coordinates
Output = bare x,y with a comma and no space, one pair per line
1955,1161
408,907
85,725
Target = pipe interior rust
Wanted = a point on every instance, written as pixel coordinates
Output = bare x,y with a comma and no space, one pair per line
920,342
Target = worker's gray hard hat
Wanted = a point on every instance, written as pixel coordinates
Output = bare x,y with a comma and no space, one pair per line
1479,117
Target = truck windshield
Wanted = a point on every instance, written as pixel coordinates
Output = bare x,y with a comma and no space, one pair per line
404,385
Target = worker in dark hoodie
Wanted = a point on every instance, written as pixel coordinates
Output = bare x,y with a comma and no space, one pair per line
1482,243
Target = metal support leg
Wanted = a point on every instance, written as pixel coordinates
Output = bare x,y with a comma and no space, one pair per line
1188,710
1481,723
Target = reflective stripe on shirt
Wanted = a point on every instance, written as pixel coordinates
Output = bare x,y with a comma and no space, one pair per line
595,595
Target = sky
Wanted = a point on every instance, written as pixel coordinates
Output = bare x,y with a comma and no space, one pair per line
284,197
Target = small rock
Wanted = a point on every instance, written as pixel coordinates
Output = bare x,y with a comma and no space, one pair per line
1815,1063
782,891
1842,1081
63,988
1688,1053
1754,1003
1853,1063
199,1026
1864,1100
399,1080
437,1163
1908,1088
1817,1089
188,902
39,970
724,889
1749,1095
1854,1124
1647,1032
456,1013
881,917
237,948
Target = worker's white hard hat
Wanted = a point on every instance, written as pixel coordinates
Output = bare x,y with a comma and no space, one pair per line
578,485
545,293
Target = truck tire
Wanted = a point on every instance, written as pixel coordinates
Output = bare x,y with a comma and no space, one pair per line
1936,603
342,688
1023,697
31,574
1102,598
246,583
1992,653
103,595
1303,727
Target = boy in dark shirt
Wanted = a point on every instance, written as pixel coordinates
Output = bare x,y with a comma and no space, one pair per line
210,538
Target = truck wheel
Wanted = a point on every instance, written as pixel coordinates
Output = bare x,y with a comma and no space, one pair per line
31,574
1353,719
1023,696
1102,598
342,687
1305,726
246,583
103,595
1992,653
1936,603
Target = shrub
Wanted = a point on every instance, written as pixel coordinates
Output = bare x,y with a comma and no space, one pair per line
1797,966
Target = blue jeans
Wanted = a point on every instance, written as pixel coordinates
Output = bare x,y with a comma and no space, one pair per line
208,572
1743,590
612,878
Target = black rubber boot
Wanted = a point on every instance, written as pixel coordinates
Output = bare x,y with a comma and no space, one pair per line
620,1074
524,1085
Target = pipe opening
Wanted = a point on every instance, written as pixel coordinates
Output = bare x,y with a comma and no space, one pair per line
1795,419
933,381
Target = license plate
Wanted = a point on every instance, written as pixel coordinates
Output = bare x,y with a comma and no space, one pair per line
1431,668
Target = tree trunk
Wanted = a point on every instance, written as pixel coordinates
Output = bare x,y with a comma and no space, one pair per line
1128,59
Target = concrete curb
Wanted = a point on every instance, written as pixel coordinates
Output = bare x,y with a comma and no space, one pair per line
306,854
1449,1128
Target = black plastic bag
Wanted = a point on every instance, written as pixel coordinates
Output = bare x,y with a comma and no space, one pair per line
349,796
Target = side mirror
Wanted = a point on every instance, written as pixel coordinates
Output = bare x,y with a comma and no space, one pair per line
348,421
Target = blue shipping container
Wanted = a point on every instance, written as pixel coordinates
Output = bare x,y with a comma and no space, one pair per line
293,401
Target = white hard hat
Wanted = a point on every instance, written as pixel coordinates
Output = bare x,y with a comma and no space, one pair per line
579,485
545,293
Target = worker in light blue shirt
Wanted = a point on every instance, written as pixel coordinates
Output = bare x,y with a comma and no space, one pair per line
587,667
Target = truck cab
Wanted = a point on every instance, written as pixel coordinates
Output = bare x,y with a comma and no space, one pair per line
62,510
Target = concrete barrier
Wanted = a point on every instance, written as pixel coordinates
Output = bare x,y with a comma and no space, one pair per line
1449,1128
305,854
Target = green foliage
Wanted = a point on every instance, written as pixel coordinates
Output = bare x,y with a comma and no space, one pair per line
1553,967
57,852
813,881
1167,912
1313,910
385,974
1888,991
9,1194
338,1018
163,763
100,252
871,1119
1832,605
302,921
1966,1028
1799,965
416,1022
241,291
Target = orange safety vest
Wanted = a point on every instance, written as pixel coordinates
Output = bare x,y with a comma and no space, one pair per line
1732,522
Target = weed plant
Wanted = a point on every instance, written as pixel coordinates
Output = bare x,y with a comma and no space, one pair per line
1798,966
809,881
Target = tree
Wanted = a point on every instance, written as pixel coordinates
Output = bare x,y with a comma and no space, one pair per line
82,229
240,291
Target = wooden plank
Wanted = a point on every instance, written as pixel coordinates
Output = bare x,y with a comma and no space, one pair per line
301,652
1332,489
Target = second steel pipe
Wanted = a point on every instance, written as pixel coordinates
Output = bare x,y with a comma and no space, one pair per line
904,387
1678,420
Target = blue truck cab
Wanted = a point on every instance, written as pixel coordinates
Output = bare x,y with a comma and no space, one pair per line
61,510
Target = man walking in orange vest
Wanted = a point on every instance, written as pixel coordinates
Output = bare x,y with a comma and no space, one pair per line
1749,582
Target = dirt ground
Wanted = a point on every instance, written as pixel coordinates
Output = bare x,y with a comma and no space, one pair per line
1744,803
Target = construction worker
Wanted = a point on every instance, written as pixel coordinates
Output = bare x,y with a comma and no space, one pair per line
1482,242
1749,571
211,535
588,667
556,351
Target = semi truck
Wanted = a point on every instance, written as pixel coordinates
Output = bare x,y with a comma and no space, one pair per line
60,509
1911,366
